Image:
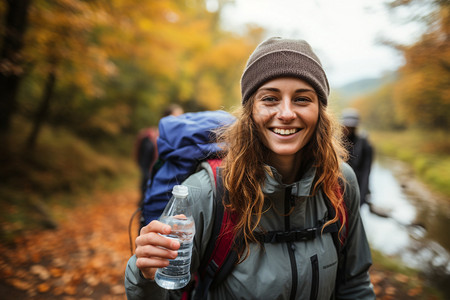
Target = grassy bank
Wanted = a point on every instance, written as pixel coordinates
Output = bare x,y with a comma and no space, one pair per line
58,171
428,153
393,280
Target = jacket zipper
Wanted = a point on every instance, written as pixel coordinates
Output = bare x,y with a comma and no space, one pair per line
290,245
315,277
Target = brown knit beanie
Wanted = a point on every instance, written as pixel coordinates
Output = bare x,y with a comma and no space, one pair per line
278,57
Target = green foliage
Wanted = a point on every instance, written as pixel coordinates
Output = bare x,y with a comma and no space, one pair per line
391,264
59,169
60,162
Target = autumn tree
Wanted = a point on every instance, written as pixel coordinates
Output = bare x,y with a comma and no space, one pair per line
63,51
178,54
378,110
104,67
422,93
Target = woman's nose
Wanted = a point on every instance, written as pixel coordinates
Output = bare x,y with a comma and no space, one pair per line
286,112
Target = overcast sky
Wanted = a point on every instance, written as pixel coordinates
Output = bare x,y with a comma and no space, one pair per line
342,32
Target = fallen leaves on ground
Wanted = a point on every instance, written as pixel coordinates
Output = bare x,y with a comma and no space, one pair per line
391,286
85,257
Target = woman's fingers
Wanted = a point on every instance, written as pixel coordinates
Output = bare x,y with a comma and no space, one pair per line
153,250
149,263
156,226
156,239
152,235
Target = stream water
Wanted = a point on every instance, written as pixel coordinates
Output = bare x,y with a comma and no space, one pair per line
416,229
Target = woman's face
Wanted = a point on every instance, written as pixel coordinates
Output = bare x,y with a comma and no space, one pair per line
286,111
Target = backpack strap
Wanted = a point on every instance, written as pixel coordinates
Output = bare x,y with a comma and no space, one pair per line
296,235
214,163
310,233
339,239
219,258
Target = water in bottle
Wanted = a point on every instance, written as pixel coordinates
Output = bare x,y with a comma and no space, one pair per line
178,215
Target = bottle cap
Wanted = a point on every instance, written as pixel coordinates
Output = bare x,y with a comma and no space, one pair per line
180,191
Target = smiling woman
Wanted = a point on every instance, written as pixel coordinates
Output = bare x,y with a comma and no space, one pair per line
294,203
285,111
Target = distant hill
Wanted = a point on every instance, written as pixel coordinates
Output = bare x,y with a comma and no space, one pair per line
361,87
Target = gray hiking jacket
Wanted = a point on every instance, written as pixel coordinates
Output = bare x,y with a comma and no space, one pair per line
300,270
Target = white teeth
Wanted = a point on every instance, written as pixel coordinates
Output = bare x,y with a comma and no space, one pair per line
284,131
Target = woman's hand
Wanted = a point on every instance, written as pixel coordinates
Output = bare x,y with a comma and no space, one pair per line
153,250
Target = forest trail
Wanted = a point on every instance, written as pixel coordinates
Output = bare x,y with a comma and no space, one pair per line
85,257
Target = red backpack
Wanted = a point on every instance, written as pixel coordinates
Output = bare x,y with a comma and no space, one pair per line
151,134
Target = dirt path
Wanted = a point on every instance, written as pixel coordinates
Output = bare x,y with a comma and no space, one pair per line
85,257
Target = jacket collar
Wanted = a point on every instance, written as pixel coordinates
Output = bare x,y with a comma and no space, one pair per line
274,182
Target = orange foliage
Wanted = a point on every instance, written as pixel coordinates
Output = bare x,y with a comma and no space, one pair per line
422,94
85,257
139,54
60,40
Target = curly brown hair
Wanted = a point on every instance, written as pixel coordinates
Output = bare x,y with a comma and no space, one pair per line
244,170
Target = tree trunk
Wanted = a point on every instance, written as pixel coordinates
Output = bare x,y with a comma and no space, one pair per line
42,112
10,59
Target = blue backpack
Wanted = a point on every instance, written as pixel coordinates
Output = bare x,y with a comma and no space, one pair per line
184,142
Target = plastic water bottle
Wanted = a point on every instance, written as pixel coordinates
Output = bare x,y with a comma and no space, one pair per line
178,214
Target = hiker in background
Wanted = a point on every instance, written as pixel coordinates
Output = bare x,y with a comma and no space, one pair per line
281,172
173,110
146,150
360,152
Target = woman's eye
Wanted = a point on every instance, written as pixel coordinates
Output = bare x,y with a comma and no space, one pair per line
269,99
302,99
